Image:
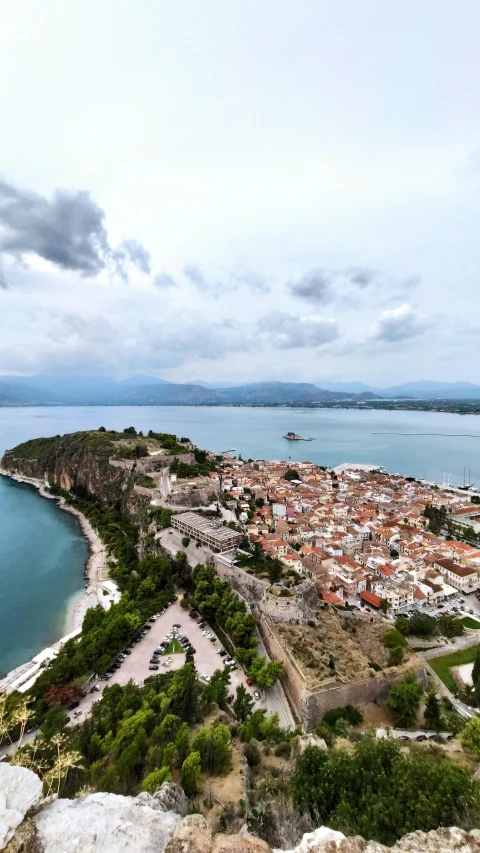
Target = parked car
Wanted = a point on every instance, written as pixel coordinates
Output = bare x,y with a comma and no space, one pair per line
421,737
249,682
153,666
230,698
77,714
256,695
404,737
205,677
73,705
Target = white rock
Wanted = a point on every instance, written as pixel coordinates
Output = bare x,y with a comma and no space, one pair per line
19,790
103,822
311,840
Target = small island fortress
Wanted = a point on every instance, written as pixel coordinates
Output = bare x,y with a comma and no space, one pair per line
292,436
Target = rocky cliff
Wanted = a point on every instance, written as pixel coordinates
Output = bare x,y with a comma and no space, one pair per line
109,823
80,460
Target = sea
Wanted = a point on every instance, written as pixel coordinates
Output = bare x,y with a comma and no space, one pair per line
43,552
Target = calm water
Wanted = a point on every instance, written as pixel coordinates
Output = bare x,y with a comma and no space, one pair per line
42,552
42,555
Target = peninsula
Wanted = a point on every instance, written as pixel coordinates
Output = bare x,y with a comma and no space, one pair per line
258,614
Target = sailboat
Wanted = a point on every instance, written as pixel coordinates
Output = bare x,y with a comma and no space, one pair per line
466,484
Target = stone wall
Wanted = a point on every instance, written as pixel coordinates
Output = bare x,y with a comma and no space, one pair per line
311,705
248,586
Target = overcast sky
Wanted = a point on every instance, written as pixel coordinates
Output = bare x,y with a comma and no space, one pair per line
240,189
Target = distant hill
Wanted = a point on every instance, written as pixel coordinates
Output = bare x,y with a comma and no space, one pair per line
421,389
145,390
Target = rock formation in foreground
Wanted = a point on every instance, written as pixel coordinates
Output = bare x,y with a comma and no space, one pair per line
109,823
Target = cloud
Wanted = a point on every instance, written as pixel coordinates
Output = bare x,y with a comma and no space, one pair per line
361,276
254,280
131,252
68,230
398,324
313,286
3,280
164,280
196,276
283,331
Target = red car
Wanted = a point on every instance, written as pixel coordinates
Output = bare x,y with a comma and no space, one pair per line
230,698
249,682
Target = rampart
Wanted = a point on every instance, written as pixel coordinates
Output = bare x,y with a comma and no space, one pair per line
312,704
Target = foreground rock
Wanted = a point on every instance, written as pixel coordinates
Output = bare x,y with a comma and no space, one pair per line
109,823
104,822
20,789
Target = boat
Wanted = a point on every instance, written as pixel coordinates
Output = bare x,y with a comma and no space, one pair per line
292,436
466,485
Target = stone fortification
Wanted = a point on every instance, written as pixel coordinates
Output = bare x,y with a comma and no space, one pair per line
312,703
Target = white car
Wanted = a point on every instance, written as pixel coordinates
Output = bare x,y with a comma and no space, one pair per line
204,633
167,663
205,677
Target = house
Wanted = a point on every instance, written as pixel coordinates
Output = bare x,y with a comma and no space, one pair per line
462,578
371,599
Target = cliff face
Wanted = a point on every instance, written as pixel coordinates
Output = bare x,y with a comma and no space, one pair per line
109,823
80,459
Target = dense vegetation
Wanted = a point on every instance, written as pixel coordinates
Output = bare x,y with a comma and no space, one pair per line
216,601
137,737
382,794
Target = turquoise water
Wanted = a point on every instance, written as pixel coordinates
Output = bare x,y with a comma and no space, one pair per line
42,551
446,444
42,555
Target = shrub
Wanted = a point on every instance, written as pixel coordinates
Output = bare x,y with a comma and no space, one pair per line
185,541
252,754
283,750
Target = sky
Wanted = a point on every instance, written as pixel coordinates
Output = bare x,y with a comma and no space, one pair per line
240,190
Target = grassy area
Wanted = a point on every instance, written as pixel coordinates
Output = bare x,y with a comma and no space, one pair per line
173,648
443,664
471,623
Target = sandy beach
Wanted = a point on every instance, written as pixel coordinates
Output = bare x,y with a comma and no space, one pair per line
95,568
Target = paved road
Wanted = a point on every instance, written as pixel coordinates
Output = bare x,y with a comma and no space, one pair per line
172,542
398,733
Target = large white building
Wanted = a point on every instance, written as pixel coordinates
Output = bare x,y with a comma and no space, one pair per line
208,531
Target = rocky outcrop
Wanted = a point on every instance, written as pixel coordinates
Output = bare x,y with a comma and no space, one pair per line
103,822
20,789
109,823
77,460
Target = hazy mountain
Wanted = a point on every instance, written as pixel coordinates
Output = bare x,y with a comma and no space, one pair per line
144,390
349,387
426,388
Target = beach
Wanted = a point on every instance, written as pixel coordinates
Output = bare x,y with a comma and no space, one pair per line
96,565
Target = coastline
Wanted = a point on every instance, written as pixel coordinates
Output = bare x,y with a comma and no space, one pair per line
95,567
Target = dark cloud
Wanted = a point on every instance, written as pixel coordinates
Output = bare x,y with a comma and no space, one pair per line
398,324
68,230
131,252
361,276
314,286
196,276
284,331
164,280
3,280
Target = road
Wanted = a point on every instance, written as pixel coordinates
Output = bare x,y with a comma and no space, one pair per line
399,733
171,540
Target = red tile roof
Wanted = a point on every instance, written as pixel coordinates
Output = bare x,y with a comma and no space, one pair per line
371,598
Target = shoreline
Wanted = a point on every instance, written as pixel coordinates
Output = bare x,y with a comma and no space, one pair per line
95,566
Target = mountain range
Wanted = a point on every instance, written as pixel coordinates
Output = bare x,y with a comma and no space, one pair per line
43,390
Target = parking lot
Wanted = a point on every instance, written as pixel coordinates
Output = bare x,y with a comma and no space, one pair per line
136,665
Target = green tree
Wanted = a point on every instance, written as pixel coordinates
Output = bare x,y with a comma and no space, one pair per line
155,779
470,737
384,605
191,771
395,657
291,474
404,700
54,722
269,674
182,743
433,714
243,703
